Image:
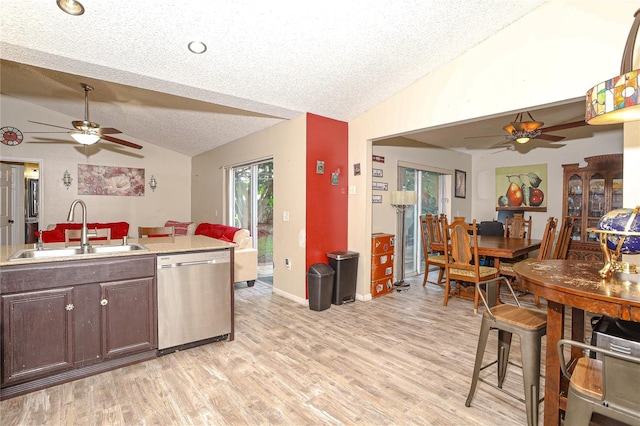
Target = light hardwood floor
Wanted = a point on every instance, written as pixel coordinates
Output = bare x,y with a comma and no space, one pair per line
398,359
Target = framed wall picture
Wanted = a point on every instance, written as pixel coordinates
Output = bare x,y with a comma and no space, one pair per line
380,186
461,184
522,188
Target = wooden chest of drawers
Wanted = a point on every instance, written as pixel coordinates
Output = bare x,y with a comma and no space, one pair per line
382,256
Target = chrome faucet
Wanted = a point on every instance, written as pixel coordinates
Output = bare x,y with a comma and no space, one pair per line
84,234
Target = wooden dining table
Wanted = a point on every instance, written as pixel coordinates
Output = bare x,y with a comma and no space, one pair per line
575,284
500,247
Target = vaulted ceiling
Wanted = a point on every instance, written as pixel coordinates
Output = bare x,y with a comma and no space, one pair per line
265,61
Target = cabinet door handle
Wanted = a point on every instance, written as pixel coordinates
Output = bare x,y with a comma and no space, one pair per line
69,307
104,302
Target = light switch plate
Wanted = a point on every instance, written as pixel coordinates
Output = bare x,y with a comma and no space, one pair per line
320,167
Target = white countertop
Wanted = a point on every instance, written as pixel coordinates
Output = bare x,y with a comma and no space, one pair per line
155,246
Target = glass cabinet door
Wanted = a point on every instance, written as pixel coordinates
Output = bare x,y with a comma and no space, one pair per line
616,193
596,196
574,202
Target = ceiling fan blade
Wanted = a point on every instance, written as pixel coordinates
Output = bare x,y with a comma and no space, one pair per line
485,136
52,125
501,143
120,141
552,138
38,139
108,130
563,126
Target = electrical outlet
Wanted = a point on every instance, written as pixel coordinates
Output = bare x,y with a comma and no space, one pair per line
285,216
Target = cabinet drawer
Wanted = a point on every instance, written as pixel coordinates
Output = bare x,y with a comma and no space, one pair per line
381,287
382,243
381,271
382,260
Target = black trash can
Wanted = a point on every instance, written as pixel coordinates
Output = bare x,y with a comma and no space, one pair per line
345,263
320,285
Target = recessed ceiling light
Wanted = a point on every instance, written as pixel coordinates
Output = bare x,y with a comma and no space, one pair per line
72,7
197,47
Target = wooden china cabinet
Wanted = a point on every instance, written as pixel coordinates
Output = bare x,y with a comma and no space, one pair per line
589,193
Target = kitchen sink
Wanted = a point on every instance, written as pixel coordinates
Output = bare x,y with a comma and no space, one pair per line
46,253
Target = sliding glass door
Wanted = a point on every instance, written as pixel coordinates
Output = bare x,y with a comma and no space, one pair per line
431,188
251,207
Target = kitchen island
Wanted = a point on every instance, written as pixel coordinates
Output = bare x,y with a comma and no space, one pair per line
69,317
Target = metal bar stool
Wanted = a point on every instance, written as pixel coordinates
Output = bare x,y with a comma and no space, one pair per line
607,385
509,319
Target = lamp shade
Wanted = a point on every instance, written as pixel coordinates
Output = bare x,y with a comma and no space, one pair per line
403,198
85,138
616,100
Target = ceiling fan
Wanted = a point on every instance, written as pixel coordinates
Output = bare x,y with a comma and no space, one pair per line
522,131
87,132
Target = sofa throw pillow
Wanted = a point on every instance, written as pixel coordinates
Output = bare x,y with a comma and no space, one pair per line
179,228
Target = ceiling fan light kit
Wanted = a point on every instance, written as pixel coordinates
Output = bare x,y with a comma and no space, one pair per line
616,100
71,7
87,132
85,138
523,131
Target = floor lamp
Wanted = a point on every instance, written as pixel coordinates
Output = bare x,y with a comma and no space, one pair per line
401,200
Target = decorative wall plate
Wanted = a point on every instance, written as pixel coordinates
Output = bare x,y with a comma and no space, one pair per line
10,136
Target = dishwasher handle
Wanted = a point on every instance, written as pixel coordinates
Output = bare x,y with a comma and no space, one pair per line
206,258
195,262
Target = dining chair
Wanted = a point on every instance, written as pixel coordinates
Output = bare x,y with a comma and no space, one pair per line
561,249
509,319
517,226
545,251
95,236
461,258
155,231
431,232
607,386
491,228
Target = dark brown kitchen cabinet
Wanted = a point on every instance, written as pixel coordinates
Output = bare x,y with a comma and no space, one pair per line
66,320
37,334
128,317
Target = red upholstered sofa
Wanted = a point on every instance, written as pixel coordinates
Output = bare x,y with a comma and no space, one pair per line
246,257
56,235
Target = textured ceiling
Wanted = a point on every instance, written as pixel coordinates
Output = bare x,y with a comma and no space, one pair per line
267,61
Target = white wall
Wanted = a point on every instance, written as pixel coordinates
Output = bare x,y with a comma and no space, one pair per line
559,40
484,165
171,200
383,215
286,143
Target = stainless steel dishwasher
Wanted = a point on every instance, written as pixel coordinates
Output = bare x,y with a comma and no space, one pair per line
195,299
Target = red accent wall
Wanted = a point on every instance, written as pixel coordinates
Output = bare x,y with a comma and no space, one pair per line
327,204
